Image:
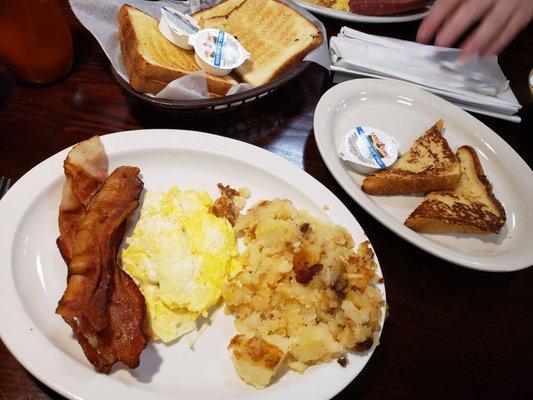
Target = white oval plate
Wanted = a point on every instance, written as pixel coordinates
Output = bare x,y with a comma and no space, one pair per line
351,17
33,276
406,112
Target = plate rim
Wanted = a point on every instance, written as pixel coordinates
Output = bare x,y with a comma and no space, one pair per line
14,339
416,239
352,17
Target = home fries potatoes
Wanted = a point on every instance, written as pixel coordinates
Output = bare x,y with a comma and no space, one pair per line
305,295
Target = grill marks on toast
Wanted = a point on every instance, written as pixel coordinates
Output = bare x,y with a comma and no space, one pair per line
470,208
428,165
276,36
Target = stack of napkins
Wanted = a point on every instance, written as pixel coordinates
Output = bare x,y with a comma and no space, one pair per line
477,86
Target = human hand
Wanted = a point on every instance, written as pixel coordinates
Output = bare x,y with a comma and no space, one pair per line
500,22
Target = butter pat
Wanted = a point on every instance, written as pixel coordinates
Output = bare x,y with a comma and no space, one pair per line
177,27
217,52
366,149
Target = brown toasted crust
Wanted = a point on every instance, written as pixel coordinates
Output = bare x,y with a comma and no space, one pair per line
220,13
442,173
484,180
148,85
432,225
146,77
435,216
142,74
403,182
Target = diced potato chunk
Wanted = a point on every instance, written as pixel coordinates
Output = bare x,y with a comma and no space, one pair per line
255,360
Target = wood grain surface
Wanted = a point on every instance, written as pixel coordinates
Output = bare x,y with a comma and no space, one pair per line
452,333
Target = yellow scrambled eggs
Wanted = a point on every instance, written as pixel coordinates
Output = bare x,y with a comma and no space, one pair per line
335,4
341,5
180,255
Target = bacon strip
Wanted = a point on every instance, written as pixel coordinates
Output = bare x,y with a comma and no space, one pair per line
101,303
86,171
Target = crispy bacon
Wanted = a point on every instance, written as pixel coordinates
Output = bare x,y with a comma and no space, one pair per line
86,171
101,303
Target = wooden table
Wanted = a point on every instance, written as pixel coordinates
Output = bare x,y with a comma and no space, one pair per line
451,333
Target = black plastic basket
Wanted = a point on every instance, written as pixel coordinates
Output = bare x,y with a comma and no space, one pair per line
216,105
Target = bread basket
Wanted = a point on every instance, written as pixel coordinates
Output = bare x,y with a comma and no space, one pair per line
212,106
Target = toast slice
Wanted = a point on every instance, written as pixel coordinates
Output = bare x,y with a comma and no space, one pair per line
276,36
151,60
470,208
427,166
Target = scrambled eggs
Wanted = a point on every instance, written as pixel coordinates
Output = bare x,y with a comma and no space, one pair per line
335,4
180,256
341,5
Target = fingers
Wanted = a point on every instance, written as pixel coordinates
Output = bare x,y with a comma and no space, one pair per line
501,22
492,25
468,13
515,25
434,20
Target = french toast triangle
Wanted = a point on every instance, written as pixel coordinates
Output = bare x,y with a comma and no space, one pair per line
470,208
427,166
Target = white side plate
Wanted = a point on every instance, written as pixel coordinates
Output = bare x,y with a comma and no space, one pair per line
351,17
33,275
406,112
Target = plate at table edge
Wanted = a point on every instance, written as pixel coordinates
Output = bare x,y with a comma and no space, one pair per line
352,17
497,159
48,350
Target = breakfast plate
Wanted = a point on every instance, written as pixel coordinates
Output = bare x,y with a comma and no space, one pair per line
351,17
405,112
196,367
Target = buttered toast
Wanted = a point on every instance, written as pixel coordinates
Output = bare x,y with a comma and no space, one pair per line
151,60
275,35
427,166
470,208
